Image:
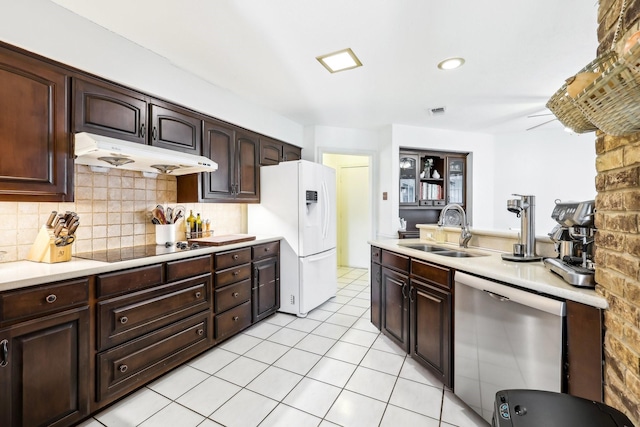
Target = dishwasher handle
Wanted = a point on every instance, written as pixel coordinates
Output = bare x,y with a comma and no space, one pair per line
529,299
496,296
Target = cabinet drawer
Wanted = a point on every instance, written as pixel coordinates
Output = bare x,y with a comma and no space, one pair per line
184,268
395,261
126,367
128,280
232,258
43,299
376,254
232,321
431,273
232,295
266,250
232,275
123,318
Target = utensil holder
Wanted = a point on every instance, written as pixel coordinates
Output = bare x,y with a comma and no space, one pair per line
44,248
165,233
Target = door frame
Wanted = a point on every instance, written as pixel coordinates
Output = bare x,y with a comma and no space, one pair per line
373,184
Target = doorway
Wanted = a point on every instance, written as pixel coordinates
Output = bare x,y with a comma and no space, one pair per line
353,188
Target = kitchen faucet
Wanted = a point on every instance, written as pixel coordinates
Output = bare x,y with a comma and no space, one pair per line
465,234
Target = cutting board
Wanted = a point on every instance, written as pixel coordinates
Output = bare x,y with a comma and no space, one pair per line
223,240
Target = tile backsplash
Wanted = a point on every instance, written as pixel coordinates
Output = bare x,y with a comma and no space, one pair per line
114,209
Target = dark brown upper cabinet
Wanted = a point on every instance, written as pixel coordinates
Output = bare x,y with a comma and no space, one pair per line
270,151
36,162
110,111
175,128
237,178
273,152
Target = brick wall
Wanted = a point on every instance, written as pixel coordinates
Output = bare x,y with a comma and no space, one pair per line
618,237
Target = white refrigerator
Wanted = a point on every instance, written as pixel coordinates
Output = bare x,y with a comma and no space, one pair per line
298,202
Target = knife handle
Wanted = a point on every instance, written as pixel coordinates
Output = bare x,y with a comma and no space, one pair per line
52,216
58,229
73,227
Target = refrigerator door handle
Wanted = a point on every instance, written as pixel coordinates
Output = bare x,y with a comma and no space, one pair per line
325,225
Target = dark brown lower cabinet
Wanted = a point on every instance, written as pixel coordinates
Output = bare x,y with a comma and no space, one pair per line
44,370
431,329
266,288
395,307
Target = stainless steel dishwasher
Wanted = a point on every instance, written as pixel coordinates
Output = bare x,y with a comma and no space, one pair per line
504,338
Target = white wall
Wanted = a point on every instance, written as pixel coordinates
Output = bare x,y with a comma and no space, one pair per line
549,164
45,28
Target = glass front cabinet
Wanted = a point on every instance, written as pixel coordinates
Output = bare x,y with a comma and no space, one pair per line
432,179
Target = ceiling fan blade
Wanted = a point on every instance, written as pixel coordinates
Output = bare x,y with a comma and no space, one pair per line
542,124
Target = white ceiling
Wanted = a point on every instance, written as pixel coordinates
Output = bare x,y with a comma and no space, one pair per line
517,53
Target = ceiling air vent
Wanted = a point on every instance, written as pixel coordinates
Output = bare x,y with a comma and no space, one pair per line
438,111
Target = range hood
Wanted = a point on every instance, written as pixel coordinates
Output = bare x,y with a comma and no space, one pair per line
102,151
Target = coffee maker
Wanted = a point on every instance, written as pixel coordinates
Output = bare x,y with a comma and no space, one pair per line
573,238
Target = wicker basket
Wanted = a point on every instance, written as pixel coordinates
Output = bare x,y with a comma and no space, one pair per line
612,101
563,106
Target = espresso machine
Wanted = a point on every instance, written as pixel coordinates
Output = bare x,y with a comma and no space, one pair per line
573,238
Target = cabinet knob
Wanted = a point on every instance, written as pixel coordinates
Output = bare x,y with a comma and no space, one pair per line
266,249
198,294
235,295
236,318
235,273
235,256
51,298
123,368
200,332
124,320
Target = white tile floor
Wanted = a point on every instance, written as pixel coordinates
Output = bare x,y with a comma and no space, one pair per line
332,368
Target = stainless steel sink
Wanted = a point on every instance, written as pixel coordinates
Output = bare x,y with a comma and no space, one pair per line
425,247
439,250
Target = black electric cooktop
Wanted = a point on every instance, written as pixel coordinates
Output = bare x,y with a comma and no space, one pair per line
136,252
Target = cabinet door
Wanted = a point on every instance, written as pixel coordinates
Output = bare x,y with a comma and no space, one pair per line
247,187
37,157
431,329
395,307
44,371
270,151
376,295
266,288
109,110
175,129
291,153
456,185
408,179
218,145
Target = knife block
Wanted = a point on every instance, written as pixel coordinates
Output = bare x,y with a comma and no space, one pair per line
44,248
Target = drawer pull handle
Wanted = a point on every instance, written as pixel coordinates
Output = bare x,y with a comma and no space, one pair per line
142,131
124,320
198,294
51,298
4,344
235,273
123,368
236,295
200,332
266,249
236,318
236,256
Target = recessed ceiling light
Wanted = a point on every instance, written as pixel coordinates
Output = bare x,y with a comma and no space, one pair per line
451,63
339,61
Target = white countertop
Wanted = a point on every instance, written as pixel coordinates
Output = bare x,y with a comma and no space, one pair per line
529,275
19,274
